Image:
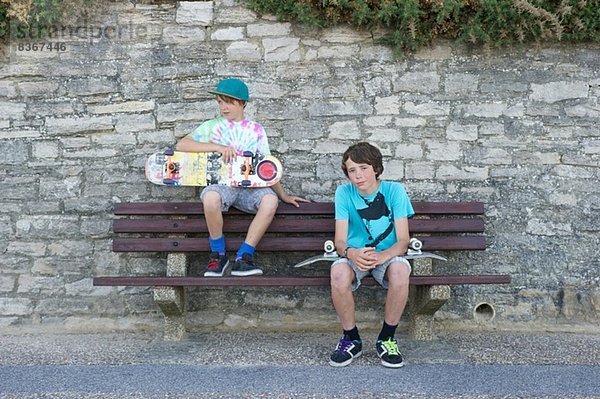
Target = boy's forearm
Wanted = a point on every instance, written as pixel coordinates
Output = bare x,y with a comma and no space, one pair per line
398,249
188,145
340,246
278,188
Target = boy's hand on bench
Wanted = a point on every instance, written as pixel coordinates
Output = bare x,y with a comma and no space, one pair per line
293,200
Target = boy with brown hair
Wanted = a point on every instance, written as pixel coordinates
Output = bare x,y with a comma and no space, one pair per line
231,134
371,235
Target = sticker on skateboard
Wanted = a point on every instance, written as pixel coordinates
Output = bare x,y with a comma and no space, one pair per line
176,168
330,255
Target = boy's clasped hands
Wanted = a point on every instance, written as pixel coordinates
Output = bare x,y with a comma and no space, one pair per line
365,258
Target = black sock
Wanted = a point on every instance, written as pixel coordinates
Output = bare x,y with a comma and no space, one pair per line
352,334
387,331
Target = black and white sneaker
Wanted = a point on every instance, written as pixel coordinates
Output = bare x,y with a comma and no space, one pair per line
217,265
389,353
345,351
245,267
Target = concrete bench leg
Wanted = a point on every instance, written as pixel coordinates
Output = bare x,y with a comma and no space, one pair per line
171,300
423,302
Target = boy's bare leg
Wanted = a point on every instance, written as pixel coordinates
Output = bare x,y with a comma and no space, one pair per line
397,294
213,214
342,276
262,219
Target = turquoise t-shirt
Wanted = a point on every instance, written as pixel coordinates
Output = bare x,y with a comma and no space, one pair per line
371,218
244,135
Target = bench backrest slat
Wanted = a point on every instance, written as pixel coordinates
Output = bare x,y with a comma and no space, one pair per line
324,225
305,244
313,208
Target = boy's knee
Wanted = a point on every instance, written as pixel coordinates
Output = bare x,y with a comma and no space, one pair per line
398,274
269,203
211,201
341,277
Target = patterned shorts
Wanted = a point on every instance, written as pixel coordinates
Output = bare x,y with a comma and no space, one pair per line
378,273
244,199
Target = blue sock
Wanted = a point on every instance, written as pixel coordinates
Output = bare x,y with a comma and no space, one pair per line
245,249
217,245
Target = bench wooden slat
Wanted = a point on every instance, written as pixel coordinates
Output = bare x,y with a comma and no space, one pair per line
301,244
278,281
313,208
285,226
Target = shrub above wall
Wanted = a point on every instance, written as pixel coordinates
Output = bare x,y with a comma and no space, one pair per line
410,24
404,25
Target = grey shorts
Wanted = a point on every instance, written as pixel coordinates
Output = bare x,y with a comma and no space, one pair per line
378,273
244,199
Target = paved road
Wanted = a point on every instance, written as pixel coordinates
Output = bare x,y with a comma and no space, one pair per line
275,365
463,379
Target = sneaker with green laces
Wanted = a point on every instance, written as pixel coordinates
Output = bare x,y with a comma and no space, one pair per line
389,353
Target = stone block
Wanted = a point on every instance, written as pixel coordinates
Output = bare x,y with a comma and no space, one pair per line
451,172
387,105
228,34
486,110
459,132
62,126
45,149
461,82
195,13
126,123
443,151
558,91
262,29
183,35
419,82
394,170
12,110
346,130
15,306
409,151
419,170
427,109
177,264
279,49
244,51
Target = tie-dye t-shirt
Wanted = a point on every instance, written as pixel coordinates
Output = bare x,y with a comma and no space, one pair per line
242,136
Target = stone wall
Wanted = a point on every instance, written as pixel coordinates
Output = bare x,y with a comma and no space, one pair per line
516,128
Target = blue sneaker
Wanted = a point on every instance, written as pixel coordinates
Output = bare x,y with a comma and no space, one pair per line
245,267
345,352
217,265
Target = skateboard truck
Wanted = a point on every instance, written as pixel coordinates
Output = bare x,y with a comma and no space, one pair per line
329,248
247,169
414,246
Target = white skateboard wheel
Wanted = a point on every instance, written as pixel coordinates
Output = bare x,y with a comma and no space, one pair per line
415,244
329,246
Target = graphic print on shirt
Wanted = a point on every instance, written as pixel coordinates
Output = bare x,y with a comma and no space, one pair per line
377,218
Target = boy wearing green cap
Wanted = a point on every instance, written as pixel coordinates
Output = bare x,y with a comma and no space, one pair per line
231,134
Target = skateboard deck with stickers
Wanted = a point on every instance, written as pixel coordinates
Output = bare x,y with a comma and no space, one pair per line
177,168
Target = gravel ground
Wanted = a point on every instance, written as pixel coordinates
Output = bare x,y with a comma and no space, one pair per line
246,349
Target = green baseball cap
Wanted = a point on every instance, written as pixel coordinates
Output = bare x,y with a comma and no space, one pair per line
232,87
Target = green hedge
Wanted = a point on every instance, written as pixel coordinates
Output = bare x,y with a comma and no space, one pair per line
18,17
407,24
410,24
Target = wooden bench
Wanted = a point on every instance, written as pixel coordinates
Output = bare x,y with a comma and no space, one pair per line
179,230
